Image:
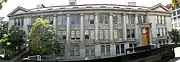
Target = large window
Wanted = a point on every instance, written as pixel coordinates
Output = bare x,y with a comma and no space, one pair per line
103,18
118,33
62,34
89,19
74,50
118,19
161,32
104,34
62,19
89,34
160,19
120,49
105,50
142,18
49,18
132,45
130,33
89,50
19,21
131,18
75,34
75,19
178,11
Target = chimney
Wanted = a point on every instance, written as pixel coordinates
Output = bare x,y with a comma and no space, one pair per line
132,3
72,2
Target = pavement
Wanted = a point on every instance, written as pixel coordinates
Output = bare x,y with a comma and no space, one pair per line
176,59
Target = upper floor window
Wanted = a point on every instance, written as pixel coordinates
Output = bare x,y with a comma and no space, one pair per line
62,19
19,21
49,18
130,33
118,33
178,11
118,19
89,19
75,19
142,18
89,34
131,19
160,19
75,34
104,34
62,34
174,13
103,18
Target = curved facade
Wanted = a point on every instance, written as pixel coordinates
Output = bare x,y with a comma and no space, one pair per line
100,30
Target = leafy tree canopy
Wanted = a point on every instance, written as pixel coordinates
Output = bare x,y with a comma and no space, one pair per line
174,36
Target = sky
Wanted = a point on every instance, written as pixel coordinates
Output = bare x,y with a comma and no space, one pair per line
12,4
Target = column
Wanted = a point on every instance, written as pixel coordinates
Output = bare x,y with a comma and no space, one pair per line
82,28
96,27
68,28
124,27
67,45
137,29
111,26
54,22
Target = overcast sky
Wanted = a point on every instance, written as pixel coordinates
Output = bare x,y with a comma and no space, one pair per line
12,4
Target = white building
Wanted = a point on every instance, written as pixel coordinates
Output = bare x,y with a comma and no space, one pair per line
101,30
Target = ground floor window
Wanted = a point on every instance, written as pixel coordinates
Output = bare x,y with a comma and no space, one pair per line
120,49
74,50
89,50
105,50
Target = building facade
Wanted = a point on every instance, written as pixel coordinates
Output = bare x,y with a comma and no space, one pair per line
100,30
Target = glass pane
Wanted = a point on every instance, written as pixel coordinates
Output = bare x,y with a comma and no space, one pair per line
102,50
92,34
122,48
115,34
108,50
117,49
101,34
106,34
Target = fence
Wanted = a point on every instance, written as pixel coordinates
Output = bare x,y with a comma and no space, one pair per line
154,55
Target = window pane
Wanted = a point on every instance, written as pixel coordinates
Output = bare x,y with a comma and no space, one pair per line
51,19
73,34
106,34
101,34
22,21
115,34
92,34
102,50
77,34
122,48
108,50
121,33
117,49
59,19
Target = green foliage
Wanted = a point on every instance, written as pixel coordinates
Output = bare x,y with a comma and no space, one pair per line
12,42
42,38
3,28
1,2
174,36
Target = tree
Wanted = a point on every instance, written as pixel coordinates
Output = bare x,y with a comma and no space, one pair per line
1,2
174,36
42,38
13,41
3,27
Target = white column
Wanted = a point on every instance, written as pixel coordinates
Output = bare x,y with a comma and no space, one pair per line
111,26
136,29
82,28
96,27
68,28
124,27
54,22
